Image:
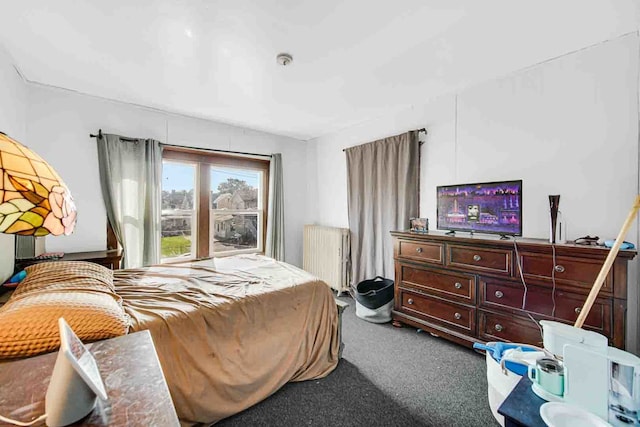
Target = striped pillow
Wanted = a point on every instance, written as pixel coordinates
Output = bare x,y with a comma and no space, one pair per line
81,292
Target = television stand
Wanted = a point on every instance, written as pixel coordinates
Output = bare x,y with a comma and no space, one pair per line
451,233
504,237
428,266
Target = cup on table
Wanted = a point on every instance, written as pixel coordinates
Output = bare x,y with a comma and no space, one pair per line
548,374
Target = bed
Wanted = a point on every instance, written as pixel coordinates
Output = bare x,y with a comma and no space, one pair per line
229,332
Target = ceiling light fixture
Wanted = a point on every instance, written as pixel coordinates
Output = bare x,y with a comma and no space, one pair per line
284,59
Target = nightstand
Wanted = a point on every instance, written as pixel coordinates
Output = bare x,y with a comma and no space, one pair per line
108,258
129,366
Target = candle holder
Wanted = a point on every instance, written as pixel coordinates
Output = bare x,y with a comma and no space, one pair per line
554,201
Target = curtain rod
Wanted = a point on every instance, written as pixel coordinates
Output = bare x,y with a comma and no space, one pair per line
417,130
99,136
213,150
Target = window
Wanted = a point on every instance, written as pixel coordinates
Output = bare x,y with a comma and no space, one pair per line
237,210
212,204
178,216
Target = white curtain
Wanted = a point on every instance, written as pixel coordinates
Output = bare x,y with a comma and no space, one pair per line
130,177
383,193
274,246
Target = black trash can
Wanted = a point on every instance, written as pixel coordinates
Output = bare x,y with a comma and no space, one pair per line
374,300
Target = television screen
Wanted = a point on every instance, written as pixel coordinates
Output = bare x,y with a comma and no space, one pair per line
489,207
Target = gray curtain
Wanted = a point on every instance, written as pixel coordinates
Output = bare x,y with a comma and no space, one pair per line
130,177
383,193
274,246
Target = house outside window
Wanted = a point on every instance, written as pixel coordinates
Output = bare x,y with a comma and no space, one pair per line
212,205
178,210
237,210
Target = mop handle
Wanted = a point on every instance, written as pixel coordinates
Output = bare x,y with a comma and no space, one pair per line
597,285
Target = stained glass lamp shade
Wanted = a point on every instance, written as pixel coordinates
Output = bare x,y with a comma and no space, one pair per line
34,201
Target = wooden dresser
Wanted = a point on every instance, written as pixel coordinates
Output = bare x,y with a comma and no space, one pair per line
469,289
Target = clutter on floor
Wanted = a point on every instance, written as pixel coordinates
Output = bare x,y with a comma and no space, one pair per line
576,367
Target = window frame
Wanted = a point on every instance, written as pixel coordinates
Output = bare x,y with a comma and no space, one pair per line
204,160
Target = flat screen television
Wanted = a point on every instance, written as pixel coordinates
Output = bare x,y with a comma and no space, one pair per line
487,207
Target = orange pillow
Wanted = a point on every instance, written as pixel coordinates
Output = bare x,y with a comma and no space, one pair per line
81,292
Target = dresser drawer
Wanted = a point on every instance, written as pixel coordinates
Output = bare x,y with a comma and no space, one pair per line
482,259
423,251
580,272
496,327
448,284
498,294
437,310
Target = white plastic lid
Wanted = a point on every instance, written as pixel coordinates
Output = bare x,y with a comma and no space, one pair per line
556,335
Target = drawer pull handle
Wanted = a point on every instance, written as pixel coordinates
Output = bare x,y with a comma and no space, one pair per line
498,327
559,268
410,301
477,257
578,310
458,316
419,250
499,294
458,285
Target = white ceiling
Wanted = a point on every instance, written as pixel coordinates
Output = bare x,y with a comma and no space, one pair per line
354,60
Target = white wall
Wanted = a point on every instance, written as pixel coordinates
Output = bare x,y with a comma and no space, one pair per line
13,101
568,126
59,123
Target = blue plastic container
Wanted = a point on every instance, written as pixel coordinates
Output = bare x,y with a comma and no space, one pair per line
497,349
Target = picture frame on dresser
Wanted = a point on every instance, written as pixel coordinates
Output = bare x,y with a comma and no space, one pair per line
419,225
469,289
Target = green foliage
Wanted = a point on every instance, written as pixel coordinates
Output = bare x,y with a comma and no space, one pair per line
173,246
231,185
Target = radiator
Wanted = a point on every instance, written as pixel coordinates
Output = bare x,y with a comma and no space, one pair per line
326,255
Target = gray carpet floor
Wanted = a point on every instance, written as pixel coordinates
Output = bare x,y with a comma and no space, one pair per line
387,377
